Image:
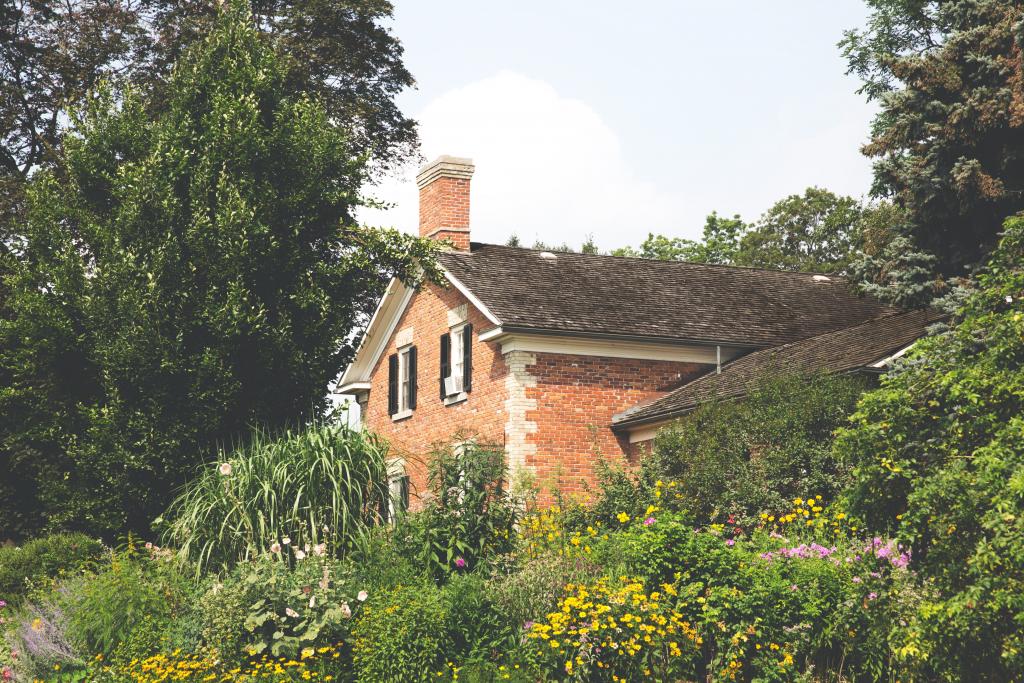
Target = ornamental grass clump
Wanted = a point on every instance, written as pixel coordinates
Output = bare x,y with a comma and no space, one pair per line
319,487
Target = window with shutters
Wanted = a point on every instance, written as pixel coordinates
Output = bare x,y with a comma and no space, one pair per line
402,383
456,363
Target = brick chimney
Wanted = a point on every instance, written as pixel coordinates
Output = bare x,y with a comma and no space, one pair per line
444,200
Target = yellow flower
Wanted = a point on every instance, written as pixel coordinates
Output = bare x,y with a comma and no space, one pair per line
622,517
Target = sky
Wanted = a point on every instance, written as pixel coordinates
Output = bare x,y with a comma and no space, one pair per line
613,120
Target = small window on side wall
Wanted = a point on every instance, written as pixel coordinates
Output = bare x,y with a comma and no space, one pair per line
457,361
402,382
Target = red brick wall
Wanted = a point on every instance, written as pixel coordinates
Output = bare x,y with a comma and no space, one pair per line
482,414
576,399
444,211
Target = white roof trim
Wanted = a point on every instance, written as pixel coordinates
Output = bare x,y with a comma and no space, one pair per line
382,325
464,290
887,361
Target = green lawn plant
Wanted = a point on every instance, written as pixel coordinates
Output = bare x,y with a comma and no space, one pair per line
322,484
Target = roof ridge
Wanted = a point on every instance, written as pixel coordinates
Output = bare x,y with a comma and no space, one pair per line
728,266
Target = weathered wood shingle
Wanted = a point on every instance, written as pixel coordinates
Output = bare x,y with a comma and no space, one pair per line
660,300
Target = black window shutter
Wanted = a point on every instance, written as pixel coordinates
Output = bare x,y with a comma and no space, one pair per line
467,357
392,384
412,378
446,368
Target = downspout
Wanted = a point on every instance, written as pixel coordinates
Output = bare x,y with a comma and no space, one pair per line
718,360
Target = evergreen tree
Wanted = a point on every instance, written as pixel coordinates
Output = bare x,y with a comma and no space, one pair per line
188,277
947,140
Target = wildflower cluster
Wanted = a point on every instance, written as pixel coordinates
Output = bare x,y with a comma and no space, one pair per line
545,532
809,512
605,632
320,664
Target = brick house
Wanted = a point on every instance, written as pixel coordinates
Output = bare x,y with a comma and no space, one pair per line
561,356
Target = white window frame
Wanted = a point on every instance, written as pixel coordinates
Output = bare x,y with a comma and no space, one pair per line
404,382
456,351
457,357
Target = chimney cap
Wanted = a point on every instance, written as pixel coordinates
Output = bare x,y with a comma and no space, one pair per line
444,166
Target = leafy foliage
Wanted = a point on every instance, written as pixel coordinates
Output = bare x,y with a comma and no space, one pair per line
324,484
189,277
938,454
719,244
54,53
402,636
468,518
948,79
740,458
31,565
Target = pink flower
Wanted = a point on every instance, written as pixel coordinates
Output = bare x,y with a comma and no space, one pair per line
275,547
225,469
300,555
872,595
3,603
362,596
649,521
460,563
346,611
793,587
7,675
731,542
319,549
855,579
291,613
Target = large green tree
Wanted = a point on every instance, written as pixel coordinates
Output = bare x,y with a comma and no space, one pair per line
185,277
719,244
53,52
949,136
938,457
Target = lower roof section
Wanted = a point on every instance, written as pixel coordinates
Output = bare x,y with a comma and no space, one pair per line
862,346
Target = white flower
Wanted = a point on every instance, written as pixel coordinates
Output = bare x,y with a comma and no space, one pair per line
225,469
275,547
312,601
300,555
286,540
1009,299
346,611
149,545
362,596
319,549
290,612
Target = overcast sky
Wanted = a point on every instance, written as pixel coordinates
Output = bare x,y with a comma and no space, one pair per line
621,118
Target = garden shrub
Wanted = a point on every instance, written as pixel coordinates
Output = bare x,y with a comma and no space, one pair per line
468,518
401,636
269,607
751,456
325,483
124,608
49,557
938,456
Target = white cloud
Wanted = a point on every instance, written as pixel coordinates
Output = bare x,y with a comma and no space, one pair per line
547,167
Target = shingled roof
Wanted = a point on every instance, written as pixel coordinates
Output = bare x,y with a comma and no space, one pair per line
661,300
841,351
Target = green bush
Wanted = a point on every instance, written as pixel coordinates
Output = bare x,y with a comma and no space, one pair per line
746,457
468,518
938,452
764,607
124,609
41,559
323,484
267,607
401,636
